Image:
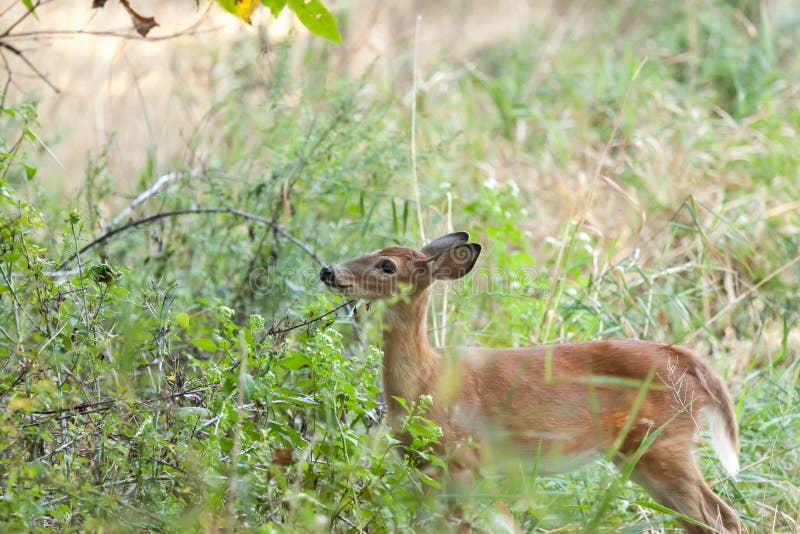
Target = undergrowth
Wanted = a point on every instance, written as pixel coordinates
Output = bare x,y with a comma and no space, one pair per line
179,373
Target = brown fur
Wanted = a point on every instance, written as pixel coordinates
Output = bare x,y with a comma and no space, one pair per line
561,401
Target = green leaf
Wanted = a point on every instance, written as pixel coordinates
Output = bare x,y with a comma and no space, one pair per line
275,6
294,362
30,170
429,481
416,429
248,385
183,319
227,5
229,383
316,18
204,344
30,7
248,337
288,396
666,510
289,434
401,401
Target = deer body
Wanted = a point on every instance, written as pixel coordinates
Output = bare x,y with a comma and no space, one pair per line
564,404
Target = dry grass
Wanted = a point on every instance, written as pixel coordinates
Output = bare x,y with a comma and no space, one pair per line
643,161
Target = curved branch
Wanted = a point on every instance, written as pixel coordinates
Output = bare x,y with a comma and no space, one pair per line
191,29
190,211
274,331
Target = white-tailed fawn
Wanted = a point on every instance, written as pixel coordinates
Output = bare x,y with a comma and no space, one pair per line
563,404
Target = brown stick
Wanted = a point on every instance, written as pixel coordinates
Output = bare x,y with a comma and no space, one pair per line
176,213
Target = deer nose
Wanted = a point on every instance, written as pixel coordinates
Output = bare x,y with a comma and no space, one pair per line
326,274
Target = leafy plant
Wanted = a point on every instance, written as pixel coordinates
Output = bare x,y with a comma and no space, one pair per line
174,365
312,14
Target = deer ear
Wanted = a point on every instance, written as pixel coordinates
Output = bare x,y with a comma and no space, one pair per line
455,262
445,242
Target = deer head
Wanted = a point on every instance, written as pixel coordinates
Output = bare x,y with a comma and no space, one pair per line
402,271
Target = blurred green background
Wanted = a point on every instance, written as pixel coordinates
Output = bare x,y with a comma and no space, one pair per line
630,167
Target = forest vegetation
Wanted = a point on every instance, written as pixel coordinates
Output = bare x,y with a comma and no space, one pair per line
171,362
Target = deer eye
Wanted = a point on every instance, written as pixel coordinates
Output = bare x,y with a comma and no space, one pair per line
388,267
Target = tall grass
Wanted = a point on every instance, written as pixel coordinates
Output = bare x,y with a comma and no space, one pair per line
631,170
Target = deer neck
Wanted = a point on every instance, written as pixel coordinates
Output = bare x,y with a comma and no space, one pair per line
410,364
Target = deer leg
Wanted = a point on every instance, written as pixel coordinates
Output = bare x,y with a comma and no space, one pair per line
502,519
672,478
458,479
507,517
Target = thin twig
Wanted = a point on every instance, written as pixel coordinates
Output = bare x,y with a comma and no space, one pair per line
16,381
82,287
752,465
189,30
16,305
137,480
6,334
22,17
85,407
185,393
742,297
111,33
11,5
7,36
189,211
30,65
63,447
280,331
8,80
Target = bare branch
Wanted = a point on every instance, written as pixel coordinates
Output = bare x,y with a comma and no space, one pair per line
30,65
142,25
280,331
25,15
11,5
189,30
190,211
8,80
20,377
